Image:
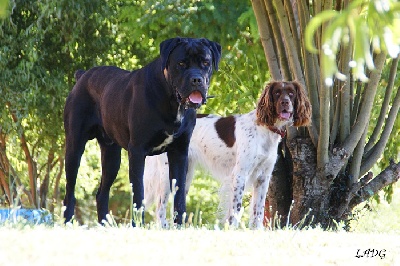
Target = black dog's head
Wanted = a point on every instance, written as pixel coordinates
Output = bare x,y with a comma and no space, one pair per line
187,65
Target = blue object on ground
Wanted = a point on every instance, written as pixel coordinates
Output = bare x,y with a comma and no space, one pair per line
33,216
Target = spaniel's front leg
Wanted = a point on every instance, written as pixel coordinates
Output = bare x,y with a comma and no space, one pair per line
235,210
260,189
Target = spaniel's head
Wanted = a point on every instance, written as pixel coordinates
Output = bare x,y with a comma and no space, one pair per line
284,102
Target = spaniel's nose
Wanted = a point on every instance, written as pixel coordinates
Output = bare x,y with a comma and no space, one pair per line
285,101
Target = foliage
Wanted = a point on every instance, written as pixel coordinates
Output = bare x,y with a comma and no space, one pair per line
42,44
361,21
203,197
3,8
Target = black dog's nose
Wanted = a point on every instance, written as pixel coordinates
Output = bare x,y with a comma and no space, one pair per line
197,81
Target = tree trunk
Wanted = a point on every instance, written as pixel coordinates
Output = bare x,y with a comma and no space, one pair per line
56,189
44,187
279,197
4,170
310,190
29,160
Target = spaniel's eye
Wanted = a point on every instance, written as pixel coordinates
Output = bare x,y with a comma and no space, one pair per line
206,63
182,64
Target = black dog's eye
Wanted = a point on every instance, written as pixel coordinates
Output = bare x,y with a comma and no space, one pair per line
182,64
206,63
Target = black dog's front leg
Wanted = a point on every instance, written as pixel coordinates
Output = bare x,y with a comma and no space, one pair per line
178,161
177,170
136,169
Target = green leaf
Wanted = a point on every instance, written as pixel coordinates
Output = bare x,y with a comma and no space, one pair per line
313,26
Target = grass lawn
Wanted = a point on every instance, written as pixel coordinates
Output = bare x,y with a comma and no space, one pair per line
125,246
374,240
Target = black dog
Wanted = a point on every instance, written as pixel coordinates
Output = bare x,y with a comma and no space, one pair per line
148,111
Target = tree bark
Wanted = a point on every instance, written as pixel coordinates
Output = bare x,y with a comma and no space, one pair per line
4,169
309,189
56,189
279,197
44,187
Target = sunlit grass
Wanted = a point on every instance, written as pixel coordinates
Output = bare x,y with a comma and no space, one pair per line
118,243
74,244
203,244
377,218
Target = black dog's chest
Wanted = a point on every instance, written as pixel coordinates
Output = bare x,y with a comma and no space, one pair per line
160,142
165,137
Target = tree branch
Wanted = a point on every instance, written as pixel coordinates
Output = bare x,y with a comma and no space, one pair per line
356,103
293,56
11,172
56,188
356,160
379,147
44,187
310,67
369,94
351,193
264,29
385,105
340,155
31,165
345,94
387,177
335,121
4,168
323,140
278,40
294,29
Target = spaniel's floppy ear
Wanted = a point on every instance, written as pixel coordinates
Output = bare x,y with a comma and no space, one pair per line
302,107
266,113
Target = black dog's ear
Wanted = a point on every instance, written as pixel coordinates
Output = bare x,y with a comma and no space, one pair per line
216,51
166,48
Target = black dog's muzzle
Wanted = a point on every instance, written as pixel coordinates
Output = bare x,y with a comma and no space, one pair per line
194,100
197,95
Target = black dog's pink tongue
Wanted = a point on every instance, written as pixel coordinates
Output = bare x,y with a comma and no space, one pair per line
285,115
195,97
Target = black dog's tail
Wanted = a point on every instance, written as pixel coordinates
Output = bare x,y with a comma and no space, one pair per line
78,74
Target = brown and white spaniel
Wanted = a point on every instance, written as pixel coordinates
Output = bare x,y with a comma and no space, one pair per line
240,151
